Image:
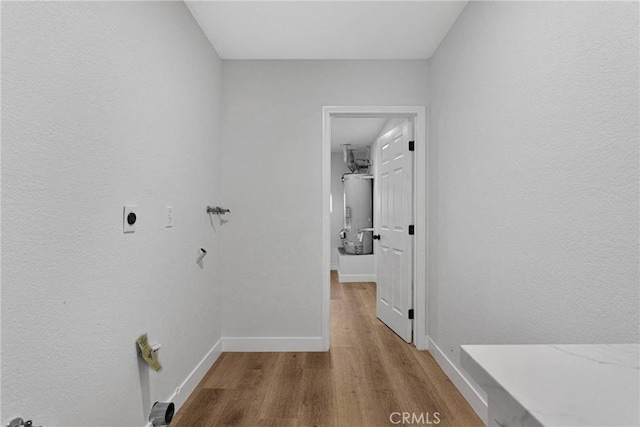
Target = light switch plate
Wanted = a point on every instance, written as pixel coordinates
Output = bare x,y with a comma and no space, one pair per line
168,217
130,214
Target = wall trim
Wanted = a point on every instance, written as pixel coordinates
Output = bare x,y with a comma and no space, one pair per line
347,278
420,210
468,390
334,267
184,390
263,344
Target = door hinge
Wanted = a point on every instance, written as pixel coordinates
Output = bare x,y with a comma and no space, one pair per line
412,145
411,230
411,314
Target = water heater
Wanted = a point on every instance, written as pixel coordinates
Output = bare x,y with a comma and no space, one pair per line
357,234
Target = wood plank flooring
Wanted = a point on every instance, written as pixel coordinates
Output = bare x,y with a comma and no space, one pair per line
368,374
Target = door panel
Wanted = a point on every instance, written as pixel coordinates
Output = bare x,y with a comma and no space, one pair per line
394,250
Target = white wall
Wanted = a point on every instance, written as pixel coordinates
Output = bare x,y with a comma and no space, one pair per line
338,168
272,183
534,175
105,104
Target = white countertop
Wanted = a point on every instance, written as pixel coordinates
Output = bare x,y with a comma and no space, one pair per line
558,385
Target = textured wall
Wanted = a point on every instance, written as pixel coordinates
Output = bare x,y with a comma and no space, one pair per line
105,104
534,175
272,181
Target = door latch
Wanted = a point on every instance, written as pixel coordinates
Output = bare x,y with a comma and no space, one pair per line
19,422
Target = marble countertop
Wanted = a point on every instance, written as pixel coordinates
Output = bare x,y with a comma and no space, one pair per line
558,385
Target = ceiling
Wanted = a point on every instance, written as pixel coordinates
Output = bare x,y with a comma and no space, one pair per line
325,29
359,132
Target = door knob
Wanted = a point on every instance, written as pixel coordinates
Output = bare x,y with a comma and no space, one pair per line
376,237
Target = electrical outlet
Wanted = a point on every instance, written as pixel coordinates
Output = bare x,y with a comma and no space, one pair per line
168,221
129,218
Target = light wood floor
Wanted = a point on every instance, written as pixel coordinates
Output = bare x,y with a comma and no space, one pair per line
368,374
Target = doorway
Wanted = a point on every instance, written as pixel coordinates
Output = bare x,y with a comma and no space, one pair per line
417,118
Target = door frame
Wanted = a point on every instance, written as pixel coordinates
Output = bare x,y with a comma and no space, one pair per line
420,211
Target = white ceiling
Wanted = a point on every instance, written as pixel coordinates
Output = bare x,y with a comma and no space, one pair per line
359,132
325,29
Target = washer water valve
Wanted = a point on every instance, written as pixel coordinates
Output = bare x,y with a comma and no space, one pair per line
217,210
19,422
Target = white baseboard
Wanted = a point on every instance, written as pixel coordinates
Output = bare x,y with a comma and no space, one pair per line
185,389
262,344
334,266
348,278
468,391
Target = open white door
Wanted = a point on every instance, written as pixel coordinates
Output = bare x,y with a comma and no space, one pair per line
394,250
